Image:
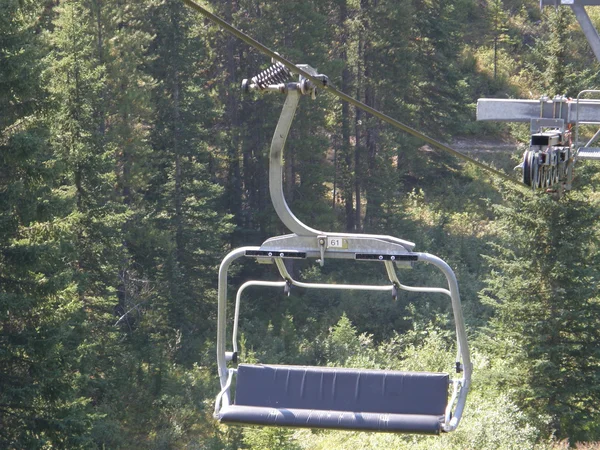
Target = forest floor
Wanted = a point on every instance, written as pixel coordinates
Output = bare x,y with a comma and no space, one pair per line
494,151
484,145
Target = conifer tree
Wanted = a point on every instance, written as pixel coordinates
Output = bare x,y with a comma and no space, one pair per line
40,309
560,62
190,222
382,89
544,292
498,22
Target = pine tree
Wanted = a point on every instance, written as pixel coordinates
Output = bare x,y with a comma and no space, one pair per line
545,297
187,217
344,160
555,75
382,90
40,318
498,21
560,62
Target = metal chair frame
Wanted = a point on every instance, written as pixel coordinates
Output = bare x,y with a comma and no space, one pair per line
306,242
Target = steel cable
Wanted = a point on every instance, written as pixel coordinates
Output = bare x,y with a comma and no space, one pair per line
341,95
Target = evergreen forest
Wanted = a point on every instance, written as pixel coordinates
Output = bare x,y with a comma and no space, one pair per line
131,163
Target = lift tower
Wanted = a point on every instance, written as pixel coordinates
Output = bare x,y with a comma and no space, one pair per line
548,162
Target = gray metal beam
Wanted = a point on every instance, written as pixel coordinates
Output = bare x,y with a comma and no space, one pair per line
513,110
569,2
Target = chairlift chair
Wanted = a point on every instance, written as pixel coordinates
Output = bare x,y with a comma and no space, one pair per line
327,397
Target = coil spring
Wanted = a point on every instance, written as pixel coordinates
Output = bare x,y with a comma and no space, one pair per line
275,74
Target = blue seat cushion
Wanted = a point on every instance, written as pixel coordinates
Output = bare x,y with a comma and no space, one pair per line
325,397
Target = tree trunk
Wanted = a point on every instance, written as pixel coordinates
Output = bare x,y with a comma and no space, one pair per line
234,182
346,170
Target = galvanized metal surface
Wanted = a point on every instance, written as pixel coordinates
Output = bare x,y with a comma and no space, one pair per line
276,167
516,110
589,153
222,317
569,2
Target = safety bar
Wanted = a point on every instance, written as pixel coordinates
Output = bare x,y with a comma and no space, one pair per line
291,281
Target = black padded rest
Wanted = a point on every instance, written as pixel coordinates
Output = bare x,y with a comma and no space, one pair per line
325,397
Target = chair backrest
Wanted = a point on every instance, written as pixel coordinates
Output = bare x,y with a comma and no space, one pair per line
338,389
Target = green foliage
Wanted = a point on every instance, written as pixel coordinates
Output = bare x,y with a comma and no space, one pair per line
343,343
129,165
541,287
559,63
270,439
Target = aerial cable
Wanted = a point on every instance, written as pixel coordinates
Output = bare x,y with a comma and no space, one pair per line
345,97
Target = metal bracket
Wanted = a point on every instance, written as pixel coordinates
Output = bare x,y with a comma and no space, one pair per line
273,79
322,241
287,289
537,125
307,86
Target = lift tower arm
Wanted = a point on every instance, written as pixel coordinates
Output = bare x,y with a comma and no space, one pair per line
578,7
549,161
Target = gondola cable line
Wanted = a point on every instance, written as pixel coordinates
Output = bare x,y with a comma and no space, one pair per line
328,87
